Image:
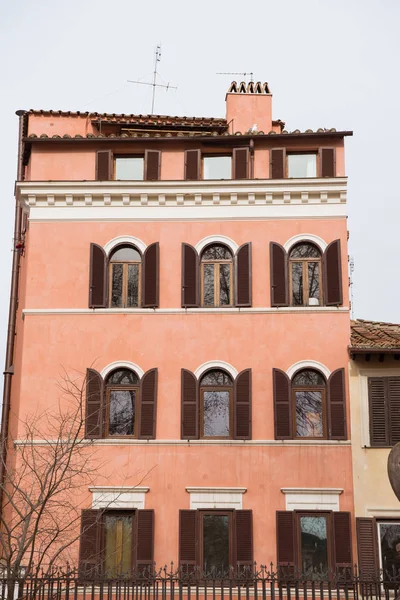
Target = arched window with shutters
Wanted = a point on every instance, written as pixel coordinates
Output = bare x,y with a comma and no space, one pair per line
125,277
305,275
122,398
216,274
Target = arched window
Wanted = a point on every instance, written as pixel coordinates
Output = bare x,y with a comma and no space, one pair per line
305,275
122,398
309,404
125,276
216,405
216,276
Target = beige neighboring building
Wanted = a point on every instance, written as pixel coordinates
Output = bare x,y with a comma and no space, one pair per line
375,428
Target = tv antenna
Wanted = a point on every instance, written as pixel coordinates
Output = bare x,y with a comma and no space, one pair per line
154,84
240,73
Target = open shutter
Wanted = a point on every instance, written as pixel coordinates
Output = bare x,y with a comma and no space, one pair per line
378,413
242,406
148,405
192,164
90,558
342,543
337,406
286,541
282,405
243,275
152,165
327,161
188,540
145,541
151,269
393,385
278,275
243,531
94,419
189,406
104,160
367,544
333,274
277,163
240,163
97,277
190,276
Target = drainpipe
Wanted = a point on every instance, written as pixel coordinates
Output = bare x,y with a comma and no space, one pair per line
251,159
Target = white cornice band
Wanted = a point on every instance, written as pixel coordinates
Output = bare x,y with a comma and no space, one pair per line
188,311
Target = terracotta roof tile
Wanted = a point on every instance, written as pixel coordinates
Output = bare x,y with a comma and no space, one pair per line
374,335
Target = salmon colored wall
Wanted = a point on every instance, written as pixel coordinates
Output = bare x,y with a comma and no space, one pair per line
247,110
59,125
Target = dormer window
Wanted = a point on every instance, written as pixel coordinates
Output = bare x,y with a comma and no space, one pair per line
129,168
301,165
217,167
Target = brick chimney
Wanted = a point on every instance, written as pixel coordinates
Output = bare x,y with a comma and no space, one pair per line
249,106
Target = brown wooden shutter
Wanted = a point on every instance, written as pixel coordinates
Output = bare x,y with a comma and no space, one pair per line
190,276
282,405
337,425
242,406
90,556
328,164
148,405
378,412
278,275
243,275
342,542
286,540
192,164
189,406
104,163
240,163
152,165
333,274
188,540
243,531
97,277
367,544
150,276
94,418
145,540
393,386
277,163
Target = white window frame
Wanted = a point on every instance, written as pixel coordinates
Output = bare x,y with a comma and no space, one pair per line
379,523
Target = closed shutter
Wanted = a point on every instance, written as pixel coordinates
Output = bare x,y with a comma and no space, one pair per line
240,163
333,274
286,541
145,541
277,163
243,531
342,543
97,277
190,276
328,166
367,544
243,275
189,406
94,418
282,405
378,412
242,406
151,269
152,165
278,275
192,164
188,540
148,405
90,556
393,386
104,160
337,406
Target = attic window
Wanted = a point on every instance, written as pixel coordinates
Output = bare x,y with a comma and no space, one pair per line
129,168
301,165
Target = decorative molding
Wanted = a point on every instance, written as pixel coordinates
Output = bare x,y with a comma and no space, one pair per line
216,239
181,311
118,497
216,364
124,239
202,442
122,364
382,513
312,498
308,364
216,497
305,237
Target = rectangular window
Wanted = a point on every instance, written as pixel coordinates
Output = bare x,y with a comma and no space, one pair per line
216,534
129,168
122,412
389,546
301,165
118,544
314,557
309,413
216,406
384,410
217,167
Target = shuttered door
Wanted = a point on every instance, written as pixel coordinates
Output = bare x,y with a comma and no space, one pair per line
278,275
104,160
342,543
151,268
152,165
277,163
243,530
286,541
94,418
189,406
367,544
337,406
97,277
333,274
282,405
378,412
240,163
148,405
328,166
190,276
243,275
145,541
393,387
188,540
242,406
192,164
90,559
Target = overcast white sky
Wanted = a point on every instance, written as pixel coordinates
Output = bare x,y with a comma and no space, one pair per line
329,63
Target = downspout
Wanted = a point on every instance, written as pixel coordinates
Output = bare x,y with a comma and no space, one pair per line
251,159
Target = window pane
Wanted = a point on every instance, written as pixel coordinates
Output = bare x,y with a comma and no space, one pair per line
123,377
122,412
116,292
305,251
224,284
133,285
313,281
208,285
309,414
389,537
216,413
129,168
302,165
126,253
216,377
216,252
118,533
216,543
307,378
217,167
297,284
314,547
